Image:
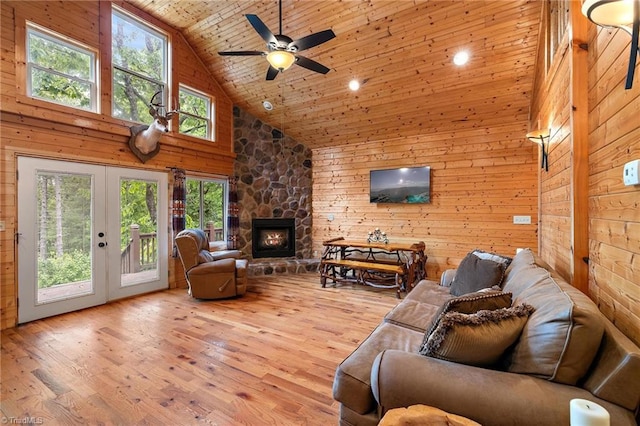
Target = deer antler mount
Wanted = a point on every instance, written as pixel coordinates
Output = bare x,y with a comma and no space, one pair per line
145,139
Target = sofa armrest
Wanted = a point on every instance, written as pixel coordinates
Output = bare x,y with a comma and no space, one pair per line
447,277
401,379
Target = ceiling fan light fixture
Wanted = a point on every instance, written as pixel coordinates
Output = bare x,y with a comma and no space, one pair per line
281,59
609,13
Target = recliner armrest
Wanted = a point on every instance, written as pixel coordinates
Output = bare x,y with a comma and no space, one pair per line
222,265
226,254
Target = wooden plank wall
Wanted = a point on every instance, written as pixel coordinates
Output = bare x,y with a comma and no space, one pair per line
34,128
614,210
480,179
551,110
613,140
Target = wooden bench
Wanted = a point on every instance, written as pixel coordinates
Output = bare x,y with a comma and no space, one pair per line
362,270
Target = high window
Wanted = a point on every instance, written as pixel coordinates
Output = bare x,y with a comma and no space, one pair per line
196,114
207,206
60,70
139,58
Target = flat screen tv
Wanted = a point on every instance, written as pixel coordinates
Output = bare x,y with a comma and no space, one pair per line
411,185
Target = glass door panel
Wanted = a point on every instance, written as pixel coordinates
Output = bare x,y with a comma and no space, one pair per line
142,232
64,234
61,244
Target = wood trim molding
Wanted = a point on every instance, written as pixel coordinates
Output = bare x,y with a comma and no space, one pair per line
579,119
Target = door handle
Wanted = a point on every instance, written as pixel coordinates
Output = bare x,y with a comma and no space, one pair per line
102,244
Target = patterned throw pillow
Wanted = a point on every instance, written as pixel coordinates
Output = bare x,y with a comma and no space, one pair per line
486,299
475,273
478,339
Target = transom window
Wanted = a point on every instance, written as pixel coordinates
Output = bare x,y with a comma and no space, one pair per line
196,112
207,206
139,58
60,70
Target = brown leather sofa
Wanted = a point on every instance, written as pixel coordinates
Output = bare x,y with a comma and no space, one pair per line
567,349
210,275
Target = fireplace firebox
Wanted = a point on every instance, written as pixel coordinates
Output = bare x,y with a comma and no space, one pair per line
273,237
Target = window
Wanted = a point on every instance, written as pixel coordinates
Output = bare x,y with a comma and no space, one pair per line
195,114
139,58
558,20
207,206
60,70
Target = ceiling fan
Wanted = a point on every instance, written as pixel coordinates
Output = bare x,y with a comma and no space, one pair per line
282,50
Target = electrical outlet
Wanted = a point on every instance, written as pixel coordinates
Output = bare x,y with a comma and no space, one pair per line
2,226
522,220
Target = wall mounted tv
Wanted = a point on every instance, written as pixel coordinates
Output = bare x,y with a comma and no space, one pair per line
411,185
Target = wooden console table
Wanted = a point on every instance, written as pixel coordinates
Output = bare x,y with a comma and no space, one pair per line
374,263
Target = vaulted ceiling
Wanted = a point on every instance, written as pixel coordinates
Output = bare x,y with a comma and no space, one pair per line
401,50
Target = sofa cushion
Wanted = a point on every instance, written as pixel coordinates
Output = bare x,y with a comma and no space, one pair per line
470,304
352,382
429,292
562,336
412,314
476,339
475,273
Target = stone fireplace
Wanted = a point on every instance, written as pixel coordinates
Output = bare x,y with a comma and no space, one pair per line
274,183
273,237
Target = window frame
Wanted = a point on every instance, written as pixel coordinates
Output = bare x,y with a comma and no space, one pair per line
210,119
165,83
225,201
70,43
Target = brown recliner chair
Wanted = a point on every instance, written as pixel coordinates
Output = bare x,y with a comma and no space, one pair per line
210,275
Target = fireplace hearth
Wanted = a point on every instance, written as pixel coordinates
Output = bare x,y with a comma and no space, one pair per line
274,237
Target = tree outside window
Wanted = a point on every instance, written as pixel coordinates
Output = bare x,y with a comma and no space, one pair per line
195,113
139,60
206,206
60,70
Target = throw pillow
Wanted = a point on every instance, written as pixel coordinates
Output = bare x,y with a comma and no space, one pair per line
505,260
485,299
475,273
478,339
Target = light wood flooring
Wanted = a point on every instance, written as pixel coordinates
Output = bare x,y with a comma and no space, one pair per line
267,358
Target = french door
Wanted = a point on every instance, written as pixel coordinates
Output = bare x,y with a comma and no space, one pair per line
87,234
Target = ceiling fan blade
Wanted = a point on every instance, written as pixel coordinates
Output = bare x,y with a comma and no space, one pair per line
272,73
242,53
312,40
262,29
310,64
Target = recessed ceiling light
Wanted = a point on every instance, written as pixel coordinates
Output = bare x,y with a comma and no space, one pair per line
354,85
461,58
267,105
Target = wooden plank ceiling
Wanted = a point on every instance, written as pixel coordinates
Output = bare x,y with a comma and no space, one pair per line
401,49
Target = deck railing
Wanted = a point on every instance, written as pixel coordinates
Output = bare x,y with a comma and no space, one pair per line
141,253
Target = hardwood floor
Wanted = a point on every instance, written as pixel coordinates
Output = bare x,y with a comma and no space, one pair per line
267,358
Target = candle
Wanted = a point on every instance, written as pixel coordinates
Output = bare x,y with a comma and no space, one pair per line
587,413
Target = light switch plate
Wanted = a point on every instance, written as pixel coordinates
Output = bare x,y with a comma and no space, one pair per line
2,225
630,175
522,220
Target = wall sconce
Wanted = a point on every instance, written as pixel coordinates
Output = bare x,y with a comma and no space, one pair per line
539,137
623,14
